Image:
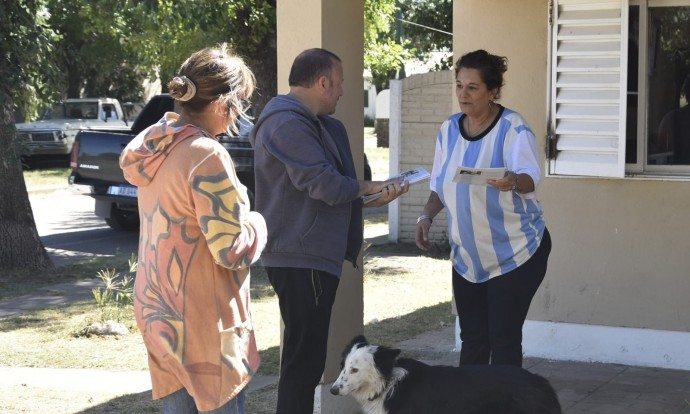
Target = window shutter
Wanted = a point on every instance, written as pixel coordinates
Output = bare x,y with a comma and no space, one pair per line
588,88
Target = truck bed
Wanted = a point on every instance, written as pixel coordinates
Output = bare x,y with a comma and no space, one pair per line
96,161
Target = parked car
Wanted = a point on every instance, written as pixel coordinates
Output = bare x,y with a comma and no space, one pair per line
54,132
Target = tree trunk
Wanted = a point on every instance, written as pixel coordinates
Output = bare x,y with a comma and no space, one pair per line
21,250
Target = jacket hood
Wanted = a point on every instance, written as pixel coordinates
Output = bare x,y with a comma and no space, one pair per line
144,155
280,103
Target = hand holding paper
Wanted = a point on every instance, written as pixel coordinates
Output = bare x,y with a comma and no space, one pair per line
477,176
412,176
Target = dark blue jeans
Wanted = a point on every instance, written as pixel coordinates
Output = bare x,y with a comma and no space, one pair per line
305,297
492,313
180,402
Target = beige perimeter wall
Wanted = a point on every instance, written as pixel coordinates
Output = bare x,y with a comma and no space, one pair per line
419,104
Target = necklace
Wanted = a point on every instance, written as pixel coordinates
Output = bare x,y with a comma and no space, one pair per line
479,128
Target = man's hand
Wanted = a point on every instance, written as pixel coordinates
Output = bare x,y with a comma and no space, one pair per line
390,190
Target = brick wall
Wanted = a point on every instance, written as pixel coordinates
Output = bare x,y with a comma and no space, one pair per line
419,105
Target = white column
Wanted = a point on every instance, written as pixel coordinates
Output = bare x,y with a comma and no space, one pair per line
394,137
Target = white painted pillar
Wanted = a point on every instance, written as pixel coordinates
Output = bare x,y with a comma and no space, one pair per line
394,148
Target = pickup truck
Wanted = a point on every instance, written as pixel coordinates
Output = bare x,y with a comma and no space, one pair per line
94,162
54,132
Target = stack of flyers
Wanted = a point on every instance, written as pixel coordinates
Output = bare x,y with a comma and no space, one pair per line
413,176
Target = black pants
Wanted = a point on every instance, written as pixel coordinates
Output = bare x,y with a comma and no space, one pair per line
305,298
492,313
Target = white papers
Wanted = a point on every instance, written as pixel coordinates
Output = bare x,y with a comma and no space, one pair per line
413,176
477,176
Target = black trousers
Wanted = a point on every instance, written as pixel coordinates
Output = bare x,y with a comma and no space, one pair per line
305,297
492,313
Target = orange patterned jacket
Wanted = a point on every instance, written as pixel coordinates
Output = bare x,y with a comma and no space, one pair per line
197,240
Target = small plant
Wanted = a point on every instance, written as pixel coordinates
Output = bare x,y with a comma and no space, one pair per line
118,292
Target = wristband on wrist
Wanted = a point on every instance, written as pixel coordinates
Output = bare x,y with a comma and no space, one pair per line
425,217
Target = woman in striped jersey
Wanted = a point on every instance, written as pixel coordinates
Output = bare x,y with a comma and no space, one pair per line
499,242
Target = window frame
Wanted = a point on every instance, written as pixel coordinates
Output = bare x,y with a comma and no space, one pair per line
642,167
621,169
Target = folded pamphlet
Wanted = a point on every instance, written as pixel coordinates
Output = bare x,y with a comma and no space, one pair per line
477,176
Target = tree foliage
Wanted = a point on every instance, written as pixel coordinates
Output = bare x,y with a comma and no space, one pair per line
429,29
109,47
167,31
398,32
94,52
384,56
28,71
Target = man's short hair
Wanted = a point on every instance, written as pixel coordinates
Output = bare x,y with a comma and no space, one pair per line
310,65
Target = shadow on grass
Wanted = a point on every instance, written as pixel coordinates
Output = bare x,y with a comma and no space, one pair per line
392,330
404,249
386,332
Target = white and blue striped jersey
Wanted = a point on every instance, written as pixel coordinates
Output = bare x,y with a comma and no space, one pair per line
491,232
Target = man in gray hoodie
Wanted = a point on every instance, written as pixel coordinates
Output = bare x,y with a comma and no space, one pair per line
307,190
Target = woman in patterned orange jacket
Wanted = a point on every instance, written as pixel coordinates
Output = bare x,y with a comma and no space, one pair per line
197,241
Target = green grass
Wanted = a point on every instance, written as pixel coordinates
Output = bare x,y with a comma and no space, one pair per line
12,285
46,177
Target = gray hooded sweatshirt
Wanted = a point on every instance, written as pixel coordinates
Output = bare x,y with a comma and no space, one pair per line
306,188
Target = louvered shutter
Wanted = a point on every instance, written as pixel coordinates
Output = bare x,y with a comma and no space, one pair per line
588,88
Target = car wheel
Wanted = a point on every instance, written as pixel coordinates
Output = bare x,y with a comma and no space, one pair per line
123,220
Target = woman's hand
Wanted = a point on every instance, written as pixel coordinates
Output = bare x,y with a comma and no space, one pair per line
512,181
431,209
509,182
421,236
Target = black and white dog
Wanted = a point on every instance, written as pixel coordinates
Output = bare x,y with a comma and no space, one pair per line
385,384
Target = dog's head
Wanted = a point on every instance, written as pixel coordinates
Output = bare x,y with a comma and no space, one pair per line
366,370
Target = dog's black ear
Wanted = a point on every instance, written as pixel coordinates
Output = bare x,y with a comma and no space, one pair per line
384,358
360,339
